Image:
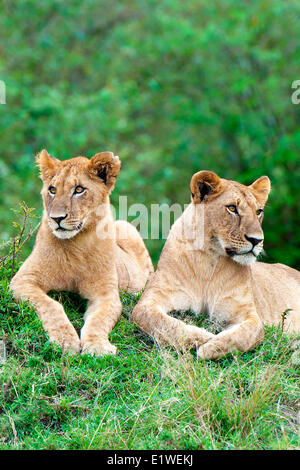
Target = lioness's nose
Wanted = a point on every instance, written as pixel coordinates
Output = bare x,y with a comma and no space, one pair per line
254,241
59,219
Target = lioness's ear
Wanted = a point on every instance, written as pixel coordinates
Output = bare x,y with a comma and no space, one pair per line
48,165
107,167
261,189
205,185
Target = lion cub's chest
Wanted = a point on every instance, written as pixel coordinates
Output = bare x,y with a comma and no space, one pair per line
68,271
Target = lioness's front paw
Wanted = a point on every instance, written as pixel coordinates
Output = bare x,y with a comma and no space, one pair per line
197,336
209,351
98,348
67,339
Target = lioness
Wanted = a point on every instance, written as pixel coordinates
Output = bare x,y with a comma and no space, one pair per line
208,263
80,248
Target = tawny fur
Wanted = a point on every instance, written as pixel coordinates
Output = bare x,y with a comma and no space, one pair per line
209,265
90,254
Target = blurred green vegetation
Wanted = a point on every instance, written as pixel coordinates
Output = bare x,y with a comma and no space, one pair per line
171,87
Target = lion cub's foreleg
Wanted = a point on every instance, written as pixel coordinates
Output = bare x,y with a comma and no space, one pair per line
245,331
103,312
51,313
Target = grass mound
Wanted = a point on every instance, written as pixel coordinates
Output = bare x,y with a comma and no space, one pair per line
143,398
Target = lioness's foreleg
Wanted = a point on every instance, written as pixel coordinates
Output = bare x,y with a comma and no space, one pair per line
51,313
100,318
242,336
151,314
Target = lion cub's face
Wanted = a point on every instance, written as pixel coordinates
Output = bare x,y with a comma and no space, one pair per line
233,214
74,189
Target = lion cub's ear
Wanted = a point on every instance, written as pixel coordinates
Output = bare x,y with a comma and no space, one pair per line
48,165
107,167
205,185
261,189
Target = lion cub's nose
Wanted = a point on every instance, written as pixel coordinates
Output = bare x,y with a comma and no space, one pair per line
254,241
59,219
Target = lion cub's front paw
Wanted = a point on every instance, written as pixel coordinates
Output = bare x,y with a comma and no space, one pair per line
67,339
98,348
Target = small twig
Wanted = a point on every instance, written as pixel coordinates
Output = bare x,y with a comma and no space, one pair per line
13,429
13,257
18,242
24,225
283,316
29,236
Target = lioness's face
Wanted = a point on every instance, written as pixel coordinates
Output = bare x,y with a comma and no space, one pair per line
74,189
233,214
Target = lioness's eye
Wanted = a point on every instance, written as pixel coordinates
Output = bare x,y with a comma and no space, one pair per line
259,212
52,190
79,190
232,209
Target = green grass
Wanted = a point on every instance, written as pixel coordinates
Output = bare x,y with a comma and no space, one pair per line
145,397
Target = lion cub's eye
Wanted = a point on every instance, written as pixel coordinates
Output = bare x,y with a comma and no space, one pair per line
232,209
52,190
79,190
259,212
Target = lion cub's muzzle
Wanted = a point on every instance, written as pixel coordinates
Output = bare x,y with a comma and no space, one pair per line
63,228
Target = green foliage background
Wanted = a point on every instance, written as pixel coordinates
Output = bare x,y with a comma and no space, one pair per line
172,87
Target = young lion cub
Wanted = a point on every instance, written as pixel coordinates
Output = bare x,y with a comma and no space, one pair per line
80,248
208,263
